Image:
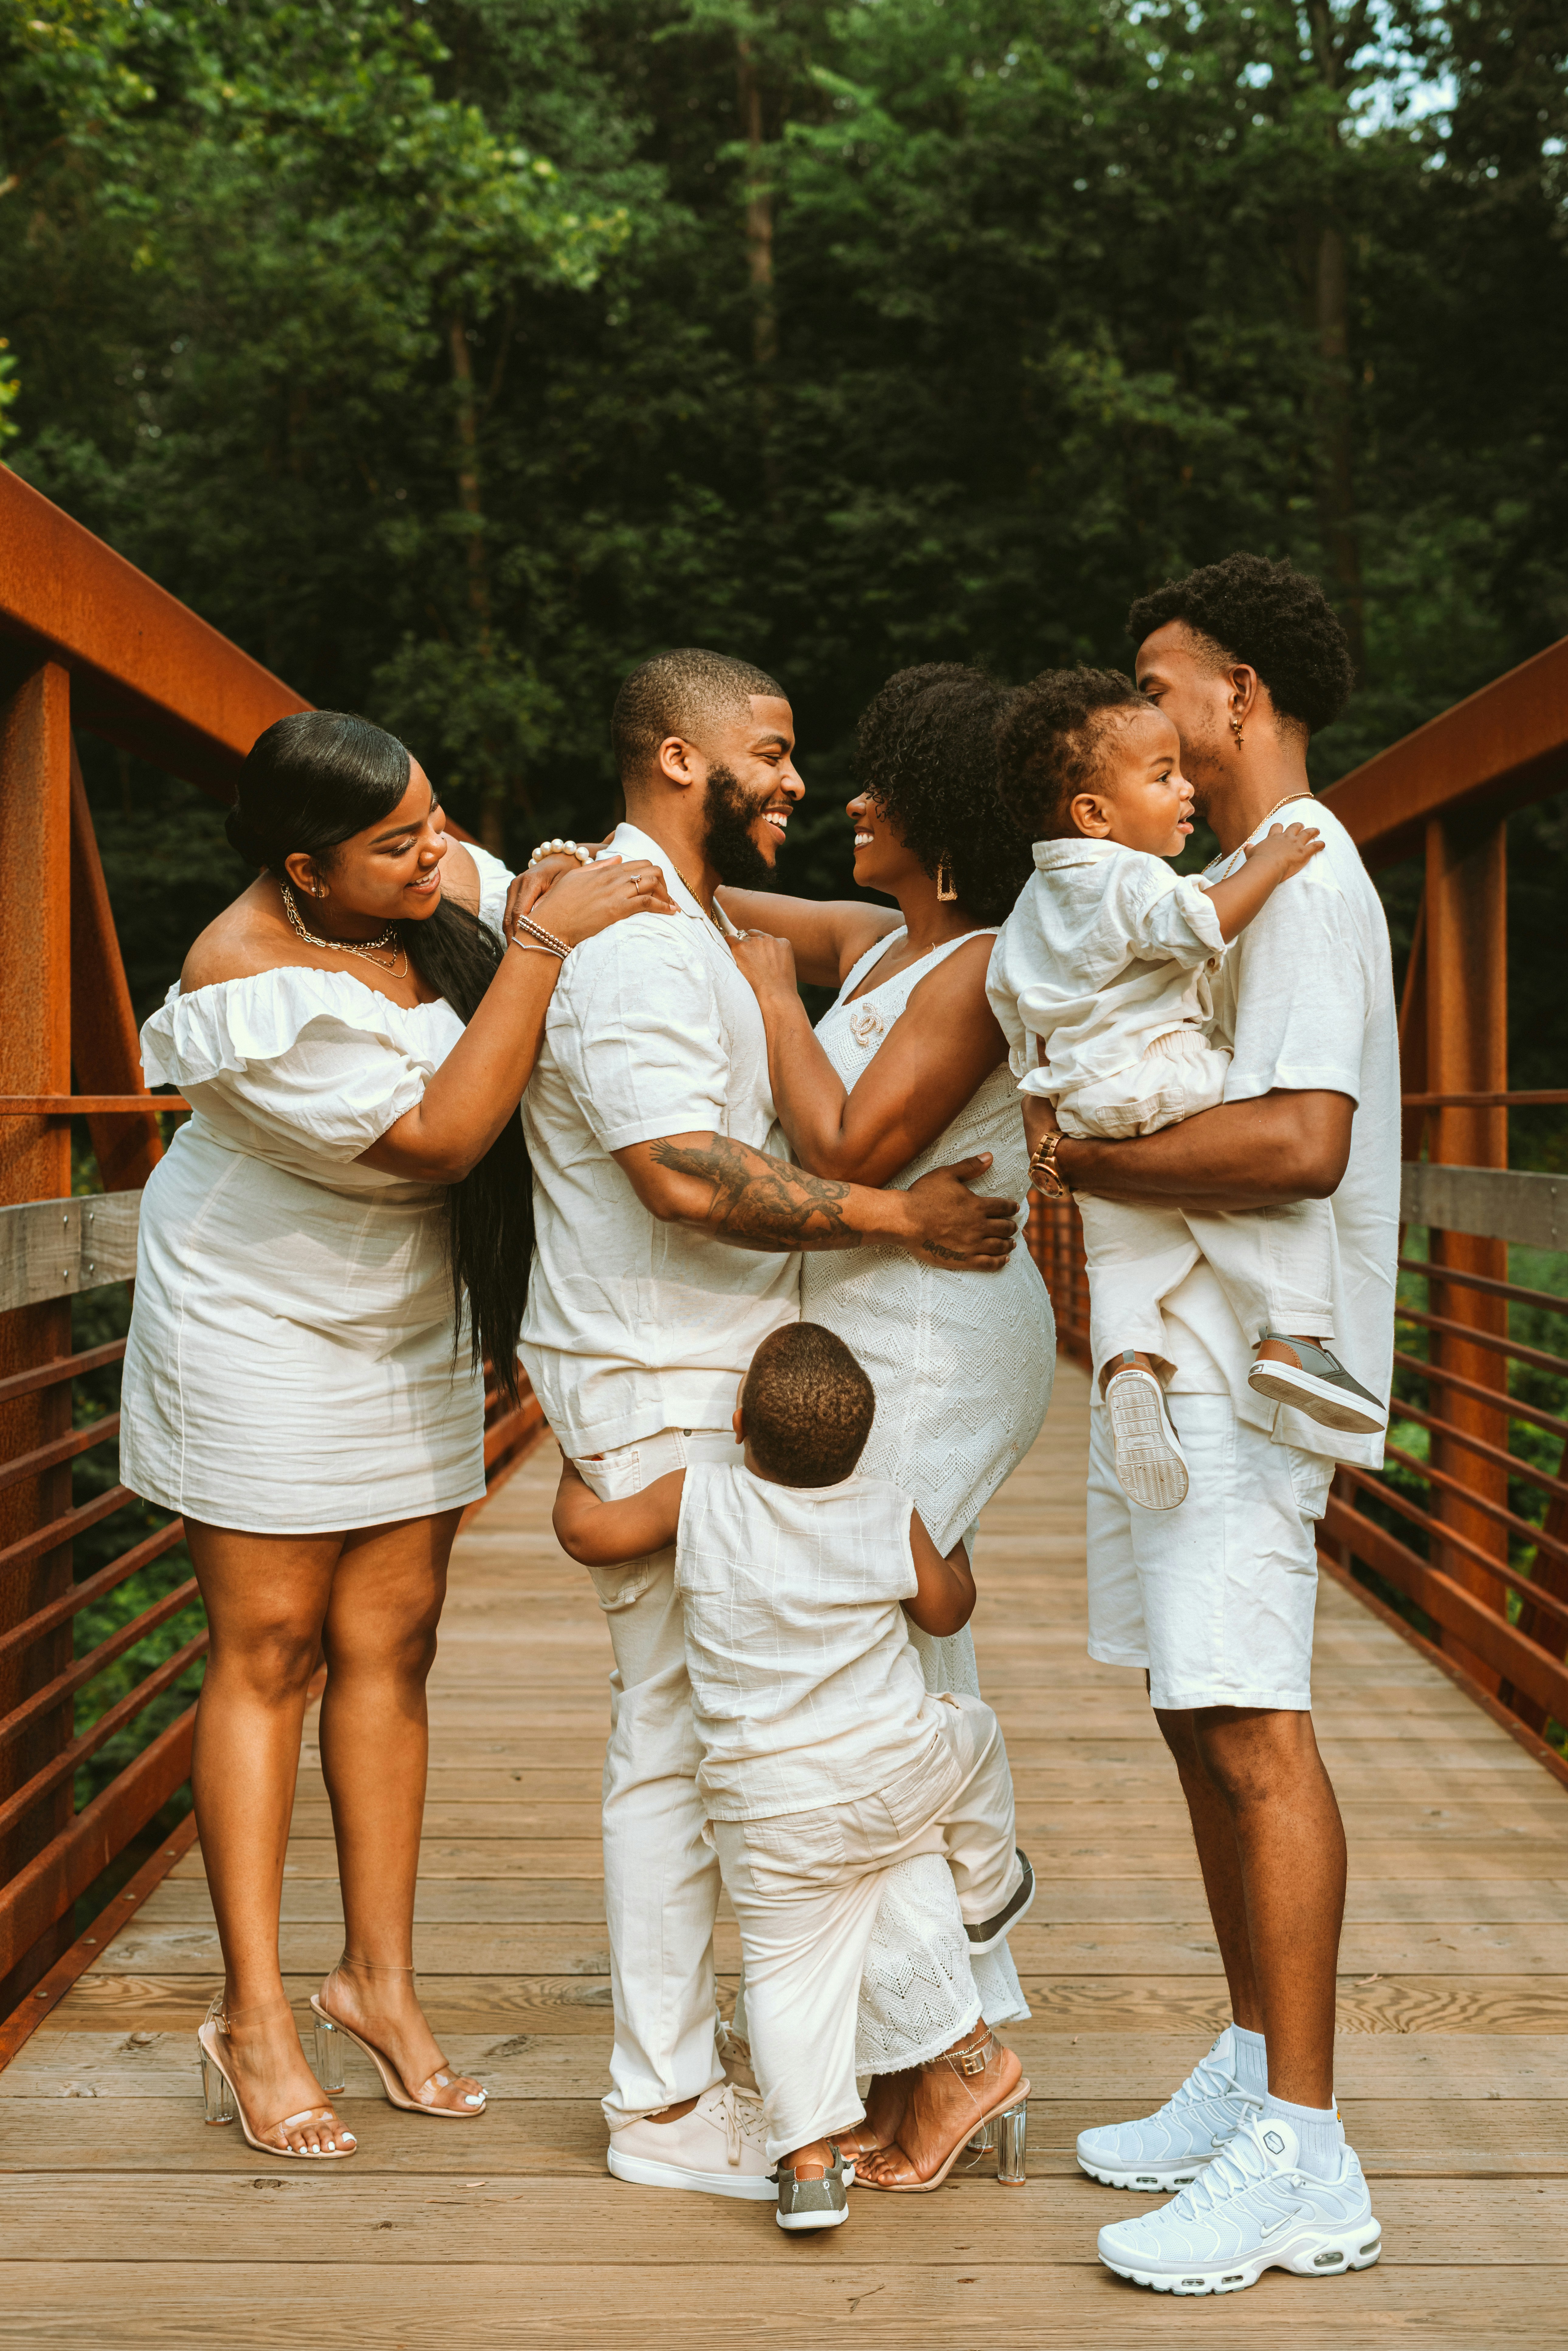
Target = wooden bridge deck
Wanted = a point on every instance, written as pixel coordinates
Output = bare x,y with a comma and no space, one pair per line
123,2221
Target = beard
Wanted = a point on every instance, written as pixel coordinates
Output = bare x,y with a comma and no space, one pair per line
729,847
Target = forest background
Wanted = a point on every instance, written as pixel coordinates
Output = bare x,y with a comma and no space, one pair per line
453,356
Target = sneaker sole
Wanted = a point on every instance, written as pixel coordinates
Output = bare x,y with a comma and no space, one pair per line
798,2223
642,2172
1329,1407
1149,1470
1317,2252
1163,2181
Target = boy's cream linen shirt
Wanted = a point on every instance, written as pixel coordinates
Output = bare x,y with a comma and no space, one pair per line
806,1688
632,1325
1107,949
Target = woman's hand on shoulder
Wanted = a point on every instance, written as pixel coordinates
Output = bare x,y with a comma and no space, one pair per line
586,899
768,963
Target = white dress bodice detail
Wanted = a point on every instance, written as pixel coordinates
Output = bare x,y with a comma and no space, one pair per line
961,1361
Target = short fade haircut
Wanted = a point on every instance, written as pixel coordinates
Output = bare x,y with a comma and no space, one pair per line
684,693
1271,616
808,1407
1050,740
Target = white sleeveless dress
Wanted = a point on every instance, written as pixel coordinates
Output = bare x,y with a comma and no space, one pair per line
963,1365
291,1367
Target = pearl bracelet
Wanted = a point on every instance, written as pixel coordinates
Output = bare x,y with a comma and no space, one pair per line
583,855
537,937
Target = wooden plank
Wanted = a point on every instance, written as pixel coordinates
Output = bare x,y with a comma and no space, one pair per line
106,1047
1446,2138
1131,2064
55,1248
913,2306
222,2219
1493,1203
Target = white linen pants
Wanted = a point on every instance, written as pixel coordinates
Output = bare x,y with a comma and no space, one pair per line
1274,1265
806,1887
661,1876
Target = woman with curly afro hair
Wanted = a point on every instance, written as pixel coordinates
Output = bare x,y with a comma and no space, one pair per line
905,1074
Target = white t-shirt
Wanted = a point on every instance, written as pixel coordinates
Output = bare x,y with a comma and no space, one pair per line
1305,1002
806,1688
1107,949
634,1326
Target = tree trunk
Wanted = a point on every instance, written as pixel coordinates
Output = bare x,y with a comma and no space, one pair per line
1336,435
492,801
759,246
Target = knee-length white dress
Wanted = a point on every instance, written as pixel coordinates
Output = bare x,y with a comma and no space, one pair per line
291,1366
963,1364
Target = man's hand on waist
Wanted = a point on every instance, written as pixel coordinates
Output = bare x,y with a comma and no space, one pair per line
712,1184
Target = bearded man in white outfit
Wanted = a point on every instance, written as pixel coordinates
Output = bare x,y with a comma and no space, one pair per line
1214,1599
669,1223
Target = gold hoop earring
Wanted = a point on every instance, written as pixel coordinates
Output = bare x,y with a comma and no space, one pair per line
945,889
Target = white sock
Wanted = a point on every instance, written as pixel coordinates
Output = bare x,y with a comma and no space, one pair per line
1251,2059
1320,2134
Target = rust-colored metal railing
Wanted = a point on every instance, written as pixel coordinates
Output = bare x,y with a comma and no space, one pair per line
88,642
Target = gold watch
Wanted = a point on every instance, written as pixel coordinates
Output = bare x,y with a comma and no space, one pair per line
1044,1173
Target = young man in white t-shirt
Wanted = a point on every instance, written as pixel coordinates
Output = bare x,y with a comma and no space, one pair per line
1215,1600
668,1225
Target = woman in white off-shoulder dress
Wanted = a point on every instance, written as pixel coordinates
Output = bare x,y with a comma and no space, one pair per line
907,1072
334,1236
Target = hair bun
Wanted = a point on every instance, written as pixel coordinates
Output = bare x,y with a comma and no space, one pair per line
244,837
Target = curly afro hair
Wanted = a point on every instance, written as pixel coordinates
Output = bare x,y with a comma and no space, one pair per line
1050,739
925,753
808,1405
1272,617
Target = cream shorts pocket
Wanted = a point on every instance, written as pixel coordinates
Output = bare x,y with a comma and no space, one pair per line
793,1845
924,1789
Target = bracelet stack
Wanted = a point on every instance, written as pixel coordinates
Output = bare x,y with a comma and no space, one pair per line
538,937
583,854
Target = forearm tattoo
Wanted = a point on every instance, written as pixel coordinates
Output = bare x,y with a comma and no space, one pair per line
762,1203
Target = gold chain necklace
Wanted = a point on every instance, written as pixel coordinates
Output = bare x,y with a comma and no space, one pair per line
708,910
368,949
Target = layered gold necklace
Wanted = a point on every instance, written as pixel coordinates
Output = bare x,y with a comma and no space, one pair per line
371,950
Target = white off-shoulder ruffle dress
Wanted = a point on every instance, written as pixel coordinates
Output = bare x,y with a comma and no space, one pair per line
291,1366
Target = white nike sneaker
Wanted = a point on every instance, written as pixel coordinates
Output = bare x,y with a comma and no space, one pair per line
720,2148
1251,2210
1167,2149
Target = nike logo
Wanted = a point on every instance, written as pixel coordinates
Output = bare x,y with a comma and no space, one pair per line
1268,2228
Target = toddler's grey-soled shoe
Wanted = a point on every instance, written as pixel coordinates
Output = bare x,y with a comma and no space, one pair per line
815,2203
1319,1386
1151,1468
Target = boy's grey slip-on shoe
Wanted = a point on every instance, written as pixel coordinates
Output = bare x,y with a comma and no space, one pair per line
1318,1384
815,2203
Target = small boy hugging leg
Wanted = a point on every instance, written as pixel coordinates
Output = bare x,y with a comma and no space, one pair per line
1101,981
825,1760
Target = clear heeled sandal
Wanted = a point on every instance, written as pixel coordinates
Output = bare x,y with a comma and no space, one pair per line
998,2127
331,2032
223,2102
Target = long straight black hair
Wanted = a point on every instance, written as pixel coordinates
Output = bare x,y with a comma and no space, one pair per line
311,782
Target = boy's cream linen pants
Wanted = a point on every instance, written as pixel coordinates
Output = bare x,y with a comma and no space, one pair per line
661,1877
806,1887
